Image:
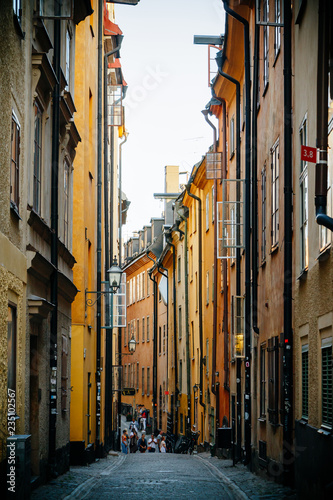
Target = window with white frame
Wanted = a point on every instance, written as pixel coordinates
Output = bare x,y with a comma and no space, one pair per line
180,322
68,58
148,381
275,168
266,42
137,331
207,287
66,202
277,30
207,211
137,376
148,285
180,377
143,284
179,269
164,339
326,382
213,204
263,214
143,329
37,157
232,137
305,381
303,192
143,381
159,340
148,327
15,162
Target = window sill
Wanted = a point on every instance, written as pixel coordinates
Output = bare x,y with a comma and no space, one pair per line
324,253
325,430
276,56
274,248
303,275
14,210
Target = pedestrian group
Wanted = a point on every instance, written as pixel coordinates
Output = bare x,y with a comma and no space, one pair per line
131,443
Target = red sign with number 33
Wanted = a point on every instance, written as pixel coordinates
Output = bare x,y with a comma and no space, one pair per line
308,154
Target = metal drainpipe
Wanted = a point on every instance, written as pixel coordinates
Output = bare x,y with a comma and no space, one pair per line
188,187
322,116
255,184
188,366
288,459
120,199
213,386
169,240
155,387
155,340
108,252
238,270
54,249
247,398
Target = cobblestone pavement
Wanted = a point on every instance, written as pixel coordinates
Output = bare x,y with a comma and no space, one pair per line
152,476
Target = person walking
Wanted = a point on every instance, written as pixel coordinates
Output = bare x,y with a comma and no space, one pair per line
124,442
133,441
142,444
163,445
152,444
144,418
132,425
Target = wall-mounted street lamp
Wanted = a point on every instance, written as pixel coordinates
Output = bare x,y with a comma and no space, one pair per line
114,275
195,388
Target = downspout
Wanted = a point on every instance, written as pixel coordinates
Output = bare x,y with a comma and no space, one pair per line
99,226
54,251
288,458
188,366
155,340
213,386
247,398
159,266
120,198
255,184
322,116
188,187
219,60
175,337
108,234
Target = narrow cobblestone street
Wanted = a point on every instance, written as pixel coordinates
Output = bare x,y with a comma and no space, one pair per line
161,476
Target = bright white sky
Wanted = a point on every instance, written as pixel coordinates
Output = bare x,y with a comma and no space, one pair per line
167,77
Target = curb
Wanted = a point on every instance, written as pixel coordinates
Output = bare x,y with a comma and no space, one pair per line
239,494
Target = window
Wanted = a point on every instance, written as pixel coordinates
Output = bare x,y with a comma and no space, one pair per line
191,263
207,288
273,379
326,382
143,382
275,159
303,190
15,162
213,204
277,31
148,285
179,270
137,376
11,347
159,340
17,11
64,370
148,381
66,202
266,42
125,376
164,338
137,331
143,284
148,325
207,357
180,378
180,323
37,158
263,380
305,381
143,329
263,214
68,58
207,211
232,137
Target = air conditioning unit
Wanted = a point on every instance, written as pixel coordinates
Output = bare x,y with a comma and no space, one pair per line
18,466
